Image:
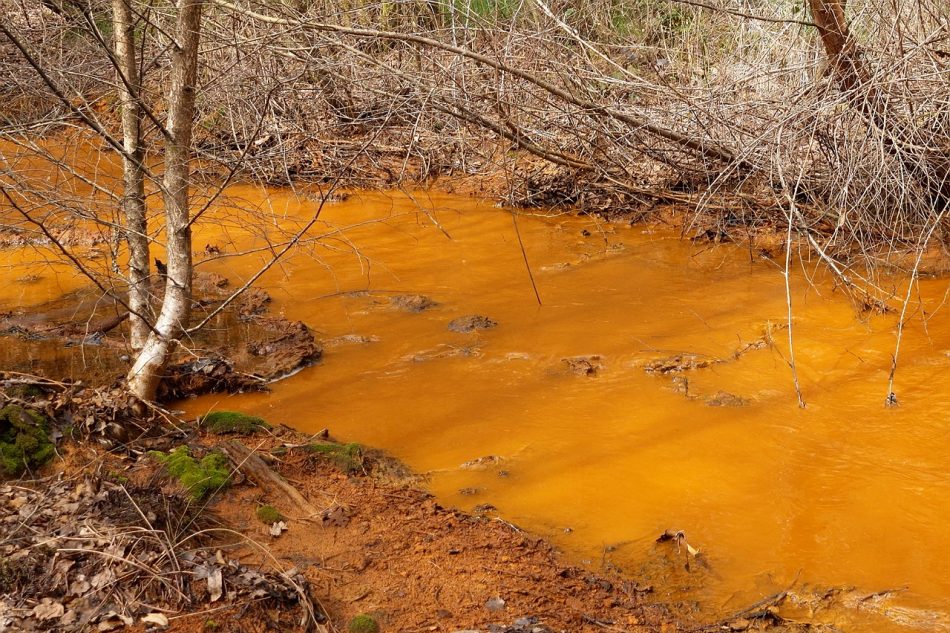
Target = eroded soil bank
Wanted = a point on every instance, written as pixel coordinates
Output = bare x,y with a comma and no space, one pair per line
299,534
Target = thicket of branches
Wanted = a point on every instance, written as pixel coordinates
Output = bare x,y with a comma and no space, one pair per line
830,119
742,92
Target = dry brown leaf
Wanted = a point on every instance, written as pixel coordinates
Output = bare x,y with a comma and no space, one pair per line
113,620
215,585
155,618
103,578
48,609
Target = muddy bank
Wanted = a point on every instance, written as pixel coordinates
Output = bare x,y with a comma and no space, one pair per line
293,533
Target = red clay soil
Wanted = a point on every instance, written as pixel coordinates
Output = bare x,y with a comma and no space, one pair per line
361,538
384,548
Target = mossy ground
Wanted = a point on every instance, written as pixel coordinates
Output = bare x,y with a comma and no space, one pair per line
199,478
364,623
15,573
24,440
269,515
233,422
26,392
349,457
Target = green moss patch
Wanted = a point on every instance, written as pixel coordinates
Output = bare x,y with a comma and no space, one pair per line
269,515
24,440
364,623
232,422
199,478
348,457
24,392
15,574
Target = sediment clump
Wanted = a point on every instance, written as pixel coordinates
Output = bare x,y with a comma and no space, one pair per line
248,349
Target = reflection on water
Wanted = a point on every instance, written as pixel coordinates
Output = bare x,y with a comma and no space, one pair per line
844,492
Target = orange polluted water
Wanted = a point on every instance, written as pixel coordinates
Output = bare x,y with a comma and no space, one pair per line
844,492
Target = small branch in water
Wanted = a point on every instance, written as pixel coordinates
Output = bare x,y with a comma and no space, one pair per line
788,302
792,209
678,537
18,378
764,609
891,399
534,286
108,324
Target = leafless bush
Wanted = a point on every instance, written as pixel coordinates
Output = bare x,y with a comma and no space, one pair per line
632,103
712,106
748,112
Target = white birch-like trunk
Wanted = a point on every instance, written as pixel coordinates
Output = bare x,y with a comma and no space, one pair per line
146,373
133,176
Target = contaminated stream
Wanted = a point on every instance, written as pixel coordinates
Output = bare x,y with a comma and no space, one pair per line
599,454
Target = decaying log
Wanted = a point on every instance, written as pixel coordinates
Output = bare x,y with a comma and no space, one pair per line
107,324
253,466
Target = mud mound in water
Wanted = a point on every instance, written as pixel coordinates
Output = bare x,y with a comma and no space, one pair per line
204,375
253,303
241,359
412,303
84,336
282,347
584,365
471,323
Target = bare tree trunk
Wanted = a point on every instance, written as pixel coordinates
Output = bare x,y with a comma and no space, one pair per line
133,201
929,165
146,373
